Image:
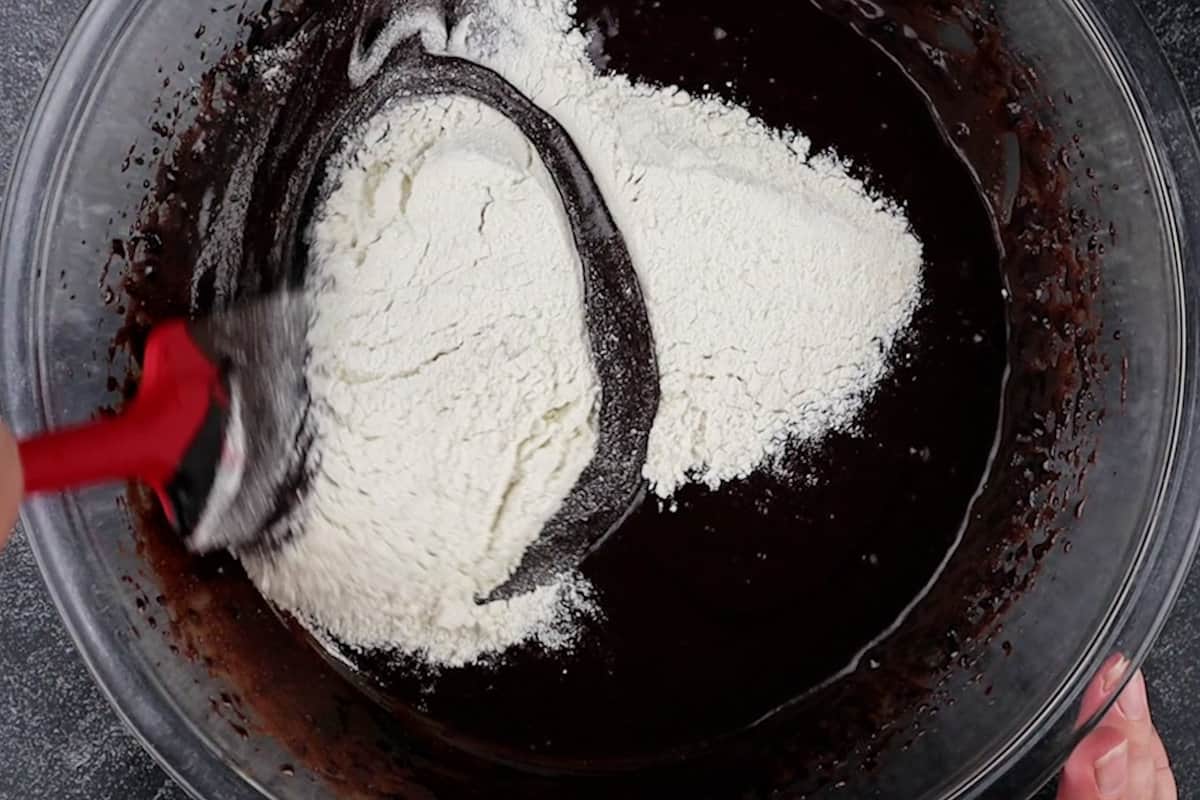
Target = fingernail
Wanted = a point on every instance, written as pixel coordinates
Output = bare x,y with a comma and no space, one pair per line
1115,674
1133,702
1112,771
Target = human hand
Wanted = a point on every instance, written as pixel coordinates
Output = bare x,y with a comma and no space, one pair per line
1124,758
12,484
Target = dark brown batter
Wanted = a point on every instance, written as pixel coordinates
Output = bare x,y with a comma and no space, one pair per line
749,604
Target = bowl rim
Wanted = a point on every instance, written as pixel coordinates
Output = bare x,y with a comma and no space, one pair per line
1030,759
1153,93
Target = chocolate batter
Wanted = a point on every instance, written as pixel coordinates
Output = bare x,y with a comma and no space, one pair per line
755,635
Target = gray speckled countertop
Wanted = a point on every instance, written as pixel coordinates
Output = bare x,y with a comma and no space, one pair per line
59,740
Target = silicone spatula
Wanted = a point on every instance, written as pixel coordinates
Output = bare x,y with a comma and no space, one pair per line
218,427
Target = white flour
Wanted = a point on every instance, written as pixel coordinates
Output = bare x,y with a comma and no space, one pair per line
775,286
451,355
454,384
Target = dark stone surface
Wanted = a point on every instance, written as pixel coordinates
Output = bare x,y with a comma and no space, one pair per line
59,739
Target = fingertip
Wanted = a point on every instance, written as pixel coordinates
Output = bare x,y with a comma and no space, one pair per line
12,483
1099,692
1134,703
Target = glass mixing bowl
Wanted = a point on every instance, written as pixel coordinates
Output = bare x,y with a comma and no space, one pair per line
1002,726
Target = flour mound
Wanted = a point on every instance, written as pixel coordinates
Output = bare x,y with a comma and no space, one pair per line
454,387
776,285
456,397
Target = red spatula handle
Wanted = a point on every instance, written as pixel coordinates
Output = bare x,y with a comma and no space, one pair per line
147,441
